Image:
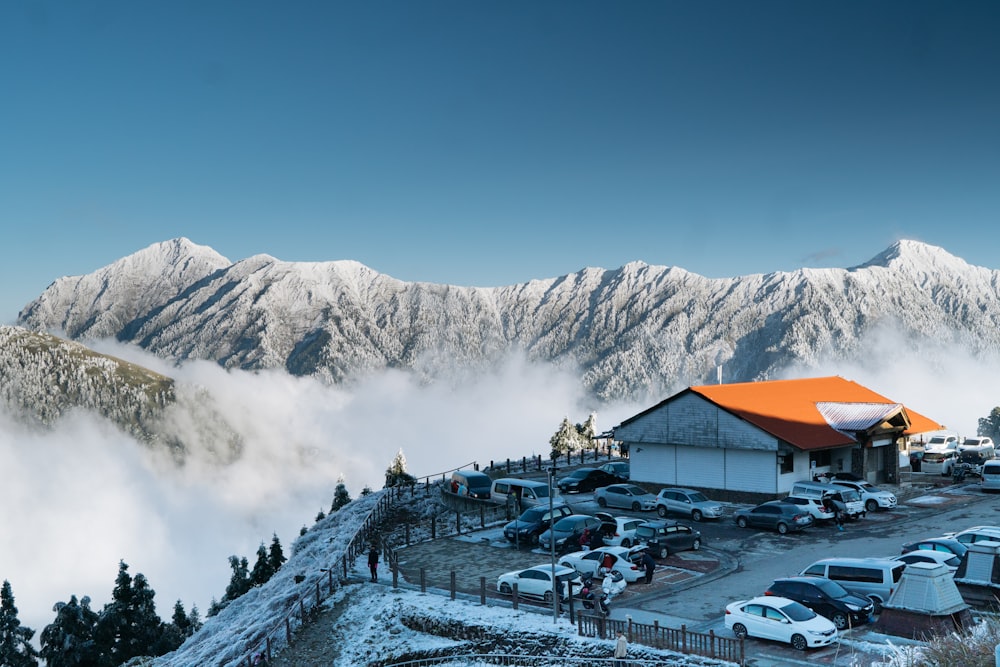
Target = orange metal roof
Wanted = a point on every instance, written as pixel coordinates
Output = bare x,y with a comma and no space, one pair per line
788,408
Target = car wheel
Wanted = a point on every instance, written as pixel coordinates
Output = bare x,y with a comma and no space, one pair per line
635,507
696,515
782,528
871,505
664,552
506,589
696,544
626,543
741,522
661,510
840,620
602,502
799,642
740,630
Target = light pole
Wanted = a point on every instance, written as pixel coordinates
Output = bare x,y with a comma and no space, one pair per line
552,545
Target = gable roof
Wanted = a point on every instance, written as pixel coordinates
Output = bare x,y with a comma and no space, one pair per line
814,413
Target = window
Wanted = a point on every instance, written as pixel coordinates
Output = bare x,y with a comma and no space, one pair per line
787,462
859,574
819,458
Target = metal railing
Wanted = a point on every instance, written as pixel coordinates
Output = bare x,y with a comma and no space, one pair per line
680,639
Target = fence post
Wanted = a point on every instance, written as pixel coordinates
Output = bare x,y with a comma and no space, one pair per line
344,564
453,584
482,590
458,523
395,573
508,466
317,593
711,643
433,527
514,592
423,580
656,632
684,638
330,572
524,464
269,649
288,630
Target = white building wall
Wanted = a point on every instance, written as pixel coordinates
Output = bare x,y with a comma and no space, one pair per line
748,470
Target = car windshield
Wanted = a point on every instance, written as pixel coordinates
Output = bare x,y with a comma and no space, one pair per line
644,531
798,612
933,457
831,588
569,523
697,497
533,514
579,474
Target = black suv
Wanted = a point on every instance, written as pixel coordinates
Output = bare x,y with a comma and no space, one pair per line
526,528
585,479
826,598
663,538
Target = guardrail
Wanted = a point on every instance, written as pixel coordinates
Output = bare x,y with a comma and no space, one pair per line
681,640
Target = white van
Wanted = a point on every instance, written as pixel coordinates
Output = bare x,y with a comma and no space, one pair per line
939,461
874,578
819,490
990,480
521,492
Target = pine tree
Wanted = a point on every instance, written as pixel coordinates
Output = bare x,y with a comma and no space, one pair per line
340,495
69,640
366,491
180,619
320,515
566,439
129,626
275,555
194,618
240,581
396,474
262,571
15,641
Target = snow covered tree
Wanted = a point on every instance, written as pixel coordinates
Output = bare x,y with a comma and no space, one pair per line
275,555
396,474
566,439
69,640
320,515
239,583
262,568
128,626
990,426
588,429
15,641
181,620
340,495
366,491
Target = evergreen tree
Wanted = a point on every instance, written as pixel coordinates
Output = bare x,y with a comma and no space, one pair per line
240,581
367,491
566,439
396,474
180,619
128,626
194,618
275,555
340,496
303,530
69,640
15,641
262,570
990,426
320,516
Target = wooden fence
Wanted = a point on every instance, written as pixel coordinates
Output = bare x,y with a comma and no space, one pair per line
672,639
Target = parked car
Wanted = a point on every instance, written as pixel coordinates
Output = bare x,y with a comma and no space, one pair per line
978,441
814,506
945,544
946,558
566,532
625,496
526,528
976,534
939,442
663,538
536,582
989,479
619,469
826,598
873,497
774,515
476,484
938,461
974,457
624,534
780,619
687,502
624,560
875,578
585,479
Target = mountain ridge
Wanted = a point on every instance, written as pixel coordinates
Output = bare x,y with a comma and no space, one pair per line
636,330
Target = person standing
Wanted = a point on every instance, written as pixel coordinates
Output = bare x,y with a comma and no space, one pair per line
621,648
373,562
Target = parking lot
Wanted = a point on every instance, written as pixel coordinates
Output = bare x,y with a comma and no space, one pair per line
691,588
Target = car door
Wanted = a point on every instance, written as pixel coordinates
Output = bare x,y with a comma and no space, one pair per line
756,621
617,497
680,538
776,625
764,516
533,583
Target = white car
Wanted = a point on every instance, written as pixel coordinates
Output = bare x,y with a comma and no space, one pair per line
813,506
592,563
949,560
780,619
971,443
976,534
536,582
873,497
940,442
624,535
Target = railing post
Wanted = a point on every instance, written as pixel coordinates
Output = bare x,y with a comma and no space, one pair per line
407,533
423,580
508,466
395,573
317,593
458,523
515,600
453,587
288,630
684,638
656,632
711,643
482,591
344,564
433,527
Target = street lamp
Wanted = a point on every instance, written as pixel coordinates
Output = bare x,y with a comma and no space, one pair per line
552,545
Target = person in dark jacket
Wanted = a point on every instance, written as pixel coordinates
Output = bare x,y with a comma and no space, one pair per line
648,565
373,562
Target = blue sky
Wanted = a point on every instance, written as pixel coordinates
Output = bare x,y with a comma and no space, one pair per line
492,142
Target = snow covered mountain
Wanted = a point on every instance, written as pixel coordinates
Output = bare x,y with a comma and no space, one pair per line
638,330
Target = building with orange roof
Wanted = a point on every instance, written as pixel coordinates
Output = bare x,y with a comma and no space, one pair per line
759,438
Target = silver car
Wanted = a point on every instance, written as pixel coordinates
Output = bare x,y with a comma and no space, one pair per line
625,496
687,502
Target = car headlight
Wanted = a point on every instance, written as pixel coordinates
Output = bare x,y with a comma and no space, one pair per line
853,607
817,633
